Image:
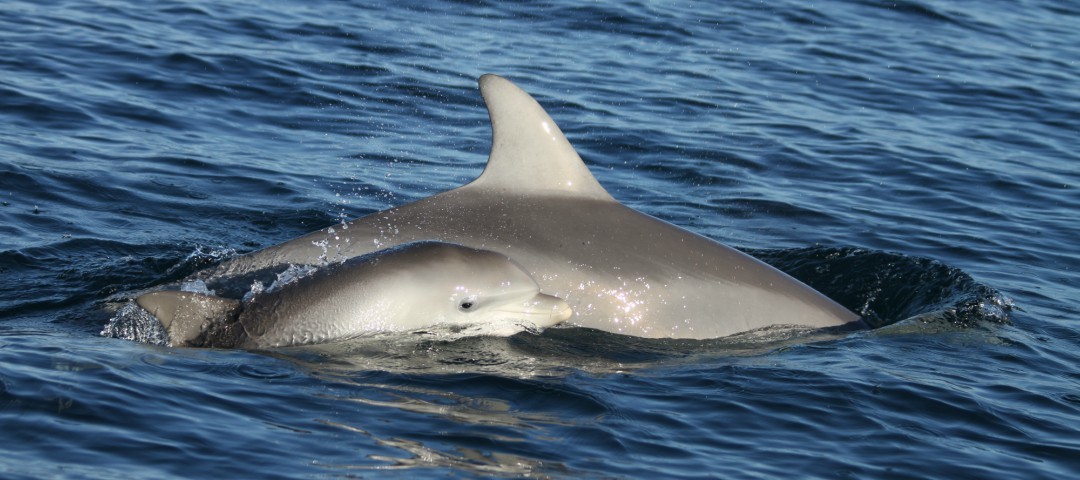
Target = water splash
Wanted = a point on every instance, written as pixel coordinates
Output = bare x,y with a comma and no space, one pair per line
133,323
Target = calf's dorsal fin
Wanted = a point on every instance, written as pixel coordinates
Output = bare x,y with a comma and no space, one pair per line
187,315
529,153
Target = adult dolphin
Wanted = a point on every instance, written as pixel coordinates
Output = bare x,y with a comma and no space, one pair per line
620,270
439,288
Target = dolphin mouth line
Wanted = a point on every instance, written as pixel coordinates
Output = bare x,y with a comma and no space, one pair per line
554,313
559,313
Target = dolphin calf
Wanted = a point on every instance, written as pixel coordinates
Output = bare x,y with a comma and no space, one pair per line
620,270
426,286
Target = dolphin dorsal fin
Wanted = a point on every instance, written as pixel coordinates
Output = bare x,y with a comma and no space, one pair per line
529,153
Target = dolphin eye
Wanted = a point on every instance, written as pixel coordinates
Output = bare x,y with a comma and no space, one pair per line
466,305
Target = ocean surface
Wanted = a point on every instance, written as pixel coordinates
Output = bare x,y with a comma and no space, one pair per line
915,160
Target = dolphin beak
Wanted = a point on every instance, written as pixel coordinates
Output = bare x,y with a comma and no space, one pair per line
556,309
541,311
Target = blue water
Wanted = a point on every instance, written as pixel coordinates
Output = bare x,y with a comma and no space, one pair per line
915,160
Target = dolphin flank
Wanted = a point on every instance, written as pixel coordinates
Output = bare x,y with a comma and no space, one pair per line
536,202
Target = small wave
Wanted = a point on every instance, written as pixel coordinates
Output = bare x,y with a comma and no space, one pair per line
201,257
886,288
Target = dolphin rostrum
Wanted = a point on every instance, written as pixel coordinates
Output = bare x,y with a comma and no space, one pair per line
433,287
620,270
